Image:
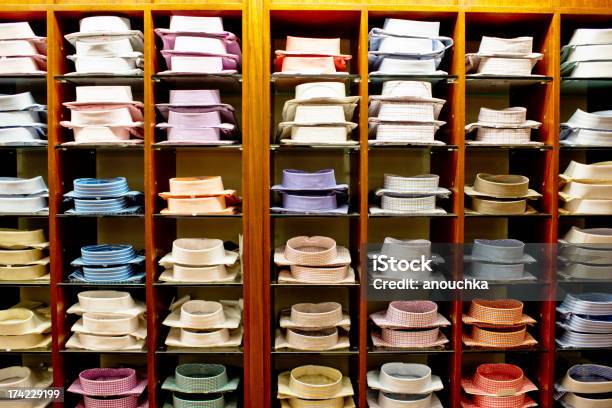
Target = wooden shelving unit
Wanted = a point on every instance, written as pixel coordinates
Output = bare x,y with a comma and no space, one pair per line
253,167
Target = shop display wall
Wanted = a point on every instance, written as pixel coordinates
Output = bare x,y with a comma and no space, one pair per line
256,164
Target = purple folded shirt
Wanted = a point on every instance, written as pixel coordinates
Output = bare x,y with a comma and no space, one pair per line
230,62
192,97
203,136
231,41
299,180
311,204
199,125
226,113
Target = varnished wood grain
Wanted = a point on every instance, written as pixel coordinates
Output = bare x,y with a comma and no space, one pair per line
363,206
550,125
583,5
512,4
58,301
257,167
457,123
150,231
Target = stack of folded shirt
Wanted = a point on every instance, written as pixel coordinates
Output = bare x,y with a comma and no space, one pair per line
497,324
409,325
25,326
204,324
410,195
587,188
586,253
15,377
586,320
110,387
404,113
106,45
197,117
588,129
22,255
505,126
405,121
321,113
313,385
588,54
497,385
109,320
108,263
503,194
316,260
103,196
201,385
199,195
311,56
105,114
311,193
21,51
313,327
23,195
503,56
405,47
200,260
403,384
395,251
199,45
585,385
499,260
22,120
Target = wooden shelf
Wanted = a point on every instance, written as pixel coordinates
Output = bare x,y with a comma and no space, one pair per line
255,163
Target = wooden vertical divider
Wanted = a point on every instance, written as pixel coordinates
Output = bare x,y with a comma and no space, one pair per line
54,109
256,225
363,206
458,97
551,126
256,43
149,200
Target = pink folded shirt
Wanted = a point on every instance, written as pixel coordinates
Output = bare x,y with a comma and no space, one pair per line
230,40
184,116
229,62
195,135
